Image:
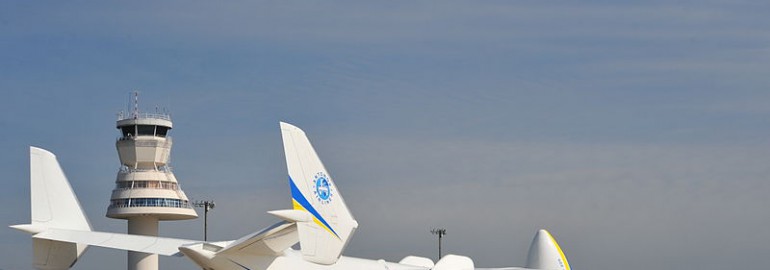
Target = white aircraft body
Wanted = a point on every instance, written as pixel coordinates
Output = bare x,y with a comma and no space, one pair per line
319,221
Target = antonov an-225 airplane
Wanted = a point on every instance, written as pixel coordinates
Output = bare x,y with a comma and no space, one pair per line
319,221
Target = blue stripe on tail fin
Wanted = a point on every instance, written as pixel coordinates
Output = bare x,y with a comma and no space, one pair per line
298,198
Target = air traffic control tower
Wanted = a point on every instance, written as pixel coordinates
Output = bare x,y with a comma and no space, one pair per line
146,190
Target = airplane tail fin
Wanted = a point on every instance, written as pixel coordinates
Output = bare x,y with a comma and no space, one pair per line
54,205
545,253
327,224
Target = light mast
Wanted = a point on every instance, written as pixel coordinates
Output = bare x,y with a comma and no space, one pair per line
146,190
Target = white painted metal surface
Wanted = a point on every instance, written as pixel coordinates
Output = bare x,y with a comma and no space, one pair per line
545,253
312,190
53,205
269,248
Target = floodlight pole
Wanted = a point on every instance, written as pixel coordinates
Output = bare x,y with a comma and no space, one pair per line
440,232
207,205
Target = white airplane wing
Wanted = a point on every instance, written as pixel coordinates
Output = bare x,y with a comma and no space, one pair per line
139,243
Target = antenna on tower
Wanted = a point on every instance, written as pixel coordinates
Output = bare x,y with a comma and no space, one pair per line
128,105
136,104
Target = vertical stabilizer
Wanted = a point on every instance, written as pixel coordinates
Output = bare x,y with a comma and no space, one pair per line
54,205
324,237
545,253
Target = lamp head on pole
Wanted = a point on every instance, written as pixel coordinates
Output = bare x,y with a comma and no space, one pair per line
440,231
206,204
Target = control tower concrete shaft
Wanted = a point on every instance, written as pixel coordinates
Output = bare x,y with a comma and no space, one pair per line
146,190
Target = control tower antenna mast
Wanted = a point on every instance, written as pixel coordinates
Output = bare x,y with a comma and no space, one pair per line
146,190
136,105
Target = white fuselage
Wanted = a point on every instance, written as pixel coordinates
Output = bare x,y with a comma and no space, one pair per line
290,259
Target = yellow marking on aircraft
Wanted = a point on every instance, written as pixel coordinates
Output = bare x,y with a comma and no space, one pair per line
561,253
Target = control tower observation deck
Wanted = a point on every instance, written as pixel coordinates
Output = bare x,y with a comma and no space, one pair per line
145,184
146,190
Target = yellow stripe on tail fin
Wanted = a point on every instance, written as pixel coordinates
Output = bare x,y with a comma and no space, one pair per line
545,253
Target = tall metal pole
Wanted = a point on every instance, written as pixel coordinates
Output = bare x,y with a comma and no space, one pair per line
440,232
207,205
206,223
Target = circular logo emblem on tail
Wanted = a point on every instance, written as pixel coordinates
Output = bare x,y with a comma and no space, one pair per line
323,188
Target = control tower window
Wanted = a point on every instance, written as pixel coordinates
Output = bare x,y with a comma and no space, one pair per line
128,131
161,131
146,130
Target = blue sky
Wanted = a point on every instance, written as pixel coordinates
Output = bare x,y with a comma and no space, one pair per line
638,133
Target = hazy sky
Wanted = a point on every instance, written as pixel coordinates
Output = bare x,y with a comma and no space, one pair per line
638,133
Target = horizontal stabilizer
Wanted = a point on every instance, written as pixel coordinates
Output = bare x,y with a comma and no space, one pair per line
292,215
139,243
270,241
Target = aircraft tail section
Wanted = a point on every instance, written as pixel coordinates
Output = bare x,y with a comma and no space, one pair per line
54,205
545,253
330,224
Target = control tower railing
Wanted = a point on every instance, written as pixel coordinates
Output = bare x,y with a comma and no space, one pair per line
143,115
